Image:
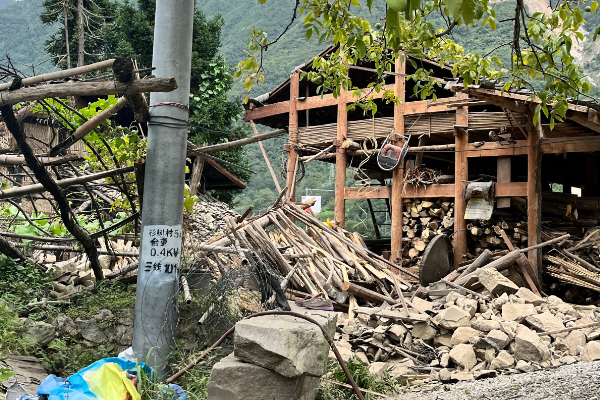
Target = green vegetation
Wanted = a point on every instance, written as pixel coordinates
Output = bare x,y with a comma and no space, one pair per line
384,384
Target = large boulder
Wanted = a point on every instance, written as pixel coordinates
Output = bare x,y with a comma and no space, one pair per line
289,346
529,346
233,379
464,356
517,312
453,317
495,282
65,326
462,335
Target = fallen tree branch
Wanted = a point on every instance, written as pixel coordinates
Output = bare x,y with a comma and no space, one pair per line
50,184
16,159
236,143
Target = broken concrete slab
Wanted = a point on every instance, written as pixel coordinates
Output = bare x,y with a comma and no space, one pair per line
463,355
529,346
517,312
529,297
453,317
495,282
463,334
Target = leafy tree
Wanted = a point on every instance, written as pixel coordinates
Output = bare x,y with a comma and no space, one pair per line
540,45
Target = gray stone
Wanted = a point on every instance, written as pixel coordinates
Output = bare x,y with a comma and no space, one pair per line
484,325
500,338
103,315
529,296
502,361
544,322
574,339
462,376
65,326
90,331
495,282
591,351
421,304
397,332
124,335
233,379
517,312
463,334
568,360
443,340
525,366
463,355
469,305
40,333
453,317
529,346
290,346
422,330
105,261
445,375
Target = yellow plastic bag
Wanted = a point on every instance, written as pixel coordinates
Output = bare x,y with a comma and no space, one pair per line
110,382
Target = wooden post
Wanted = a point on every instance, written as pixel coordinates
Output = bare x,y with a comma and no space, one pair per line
196,176
534,190
266,157
340,161
398,174
503,176
293,135
461,176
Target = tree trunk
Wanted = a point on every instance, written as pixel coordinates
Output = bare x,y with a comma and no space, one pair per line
66,22
80,34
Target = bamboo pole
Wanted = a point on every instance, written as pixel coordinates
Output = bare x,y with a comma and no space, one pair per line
236,143
16,159
266,157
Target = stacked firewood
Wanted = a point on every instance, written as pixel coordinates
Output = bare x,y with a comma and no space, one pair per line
422,220
565,210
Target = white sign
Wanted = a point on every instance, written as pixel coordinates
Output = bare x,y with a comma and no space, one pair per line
479,208
316,208
161,249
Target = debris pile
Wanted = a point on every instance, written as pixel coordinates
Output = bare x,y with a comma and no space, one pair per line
464,337
310,257
207,218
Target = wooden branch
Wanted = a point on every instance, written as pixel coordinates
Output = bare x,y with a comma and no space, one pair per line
16,159
266,157
39,187
34,80
196,177
87,89
78,250
236,143
50,184
89,126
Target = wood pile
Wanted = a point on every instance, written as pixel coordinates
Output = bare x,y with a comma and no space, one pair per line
569,210
311,258
422,220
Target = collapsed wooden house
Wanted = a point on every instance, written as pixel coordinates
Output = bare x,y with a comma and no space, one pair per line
452,135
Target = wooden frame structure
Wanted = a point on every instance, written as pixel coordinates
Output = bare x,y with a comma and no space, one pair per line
457,119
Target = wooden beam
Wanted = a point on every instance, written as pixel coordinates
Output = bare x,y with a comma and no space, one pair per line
340,163
236,143
496,149
16,159
580,144
65,73
266,157
196,178
534,190
87,89
398,173
503,176
511,189
461,174
293,136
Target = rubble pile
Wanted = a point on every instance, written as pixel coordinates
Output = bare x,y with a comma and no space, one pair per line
465,337
207,218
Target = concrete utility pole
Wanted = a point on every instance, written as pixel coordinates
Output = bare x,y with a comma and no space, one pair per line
158,275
